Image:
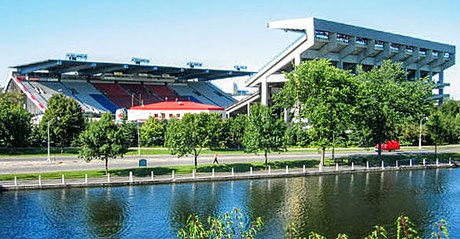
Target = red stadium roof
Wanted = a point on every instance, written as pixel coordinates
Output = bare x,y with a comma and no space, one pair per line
177,105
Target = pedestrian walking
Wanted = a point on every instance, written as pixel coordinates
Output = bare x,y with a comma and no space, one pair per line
215,159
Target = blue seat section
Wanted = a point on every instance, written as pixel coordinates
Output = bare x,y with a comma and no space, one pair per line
101,99
190,98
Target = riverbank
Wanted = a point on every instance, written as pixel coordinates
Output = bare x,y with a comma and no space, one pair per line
173,177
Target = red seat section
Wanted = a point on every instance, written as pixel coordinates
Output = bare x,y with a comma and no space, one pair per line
141,93
116,94
164,92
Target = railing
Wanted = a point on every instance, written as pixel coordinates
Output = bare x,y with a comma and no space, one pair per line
108,180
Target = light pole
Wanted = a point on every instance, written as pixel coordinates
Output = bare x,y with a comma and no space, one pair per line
48,132
138,139
420,136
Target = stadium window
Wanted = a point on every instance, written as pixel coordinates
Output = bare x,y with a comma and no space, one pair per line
171,115
178,116
163,116
156,116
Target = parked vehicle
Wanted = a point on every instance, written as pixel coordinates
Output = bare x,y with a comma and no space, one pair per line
390,145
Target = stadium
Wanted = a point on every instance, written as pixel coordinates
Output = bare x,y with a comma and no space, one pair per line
107,86
347,46
101,87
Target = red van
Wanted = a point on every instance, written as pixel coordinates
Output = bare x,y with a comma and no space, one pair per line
389,145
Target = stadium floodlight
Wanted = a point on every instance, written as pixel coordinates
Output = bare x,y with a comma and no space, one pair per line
193,64
240,67
76,57
140,61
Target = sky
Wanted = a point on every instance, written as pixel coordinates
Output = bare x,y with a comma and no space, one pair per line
218,33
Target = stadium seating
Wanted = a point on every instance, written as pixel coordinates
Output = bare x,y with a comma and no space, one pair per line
117,94
163,92
190,94
89,95
35,92
141,93
210,92
98,97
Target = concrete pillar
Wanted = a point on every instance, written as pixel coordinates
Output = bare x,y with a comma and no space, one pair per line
417,74
249,108
297,60
441,89
340,64
264,92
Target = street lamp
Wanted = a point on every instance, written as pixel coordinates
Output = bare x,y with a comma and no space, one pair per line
48,132
138,139
420,136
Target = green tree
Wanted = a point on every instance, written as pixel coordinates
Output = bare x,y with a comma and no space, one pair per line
129,130
102,140
435,128
264,131
323,94
15,126
234,129
388,101
153,132
449,123
191,134
65,119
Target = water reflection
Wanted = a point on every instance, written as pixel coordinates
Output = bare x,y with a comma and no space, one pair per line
106,215
325,204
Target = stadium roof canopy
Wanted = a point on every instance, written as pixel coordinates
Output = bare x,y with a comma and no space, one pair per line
85,68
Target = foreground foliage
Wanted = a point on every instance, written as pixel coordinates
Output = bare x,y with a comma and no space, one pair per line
231,225
405,229
226,226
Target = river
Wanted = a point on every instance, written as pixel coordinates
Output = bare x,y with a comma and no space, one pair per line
349,203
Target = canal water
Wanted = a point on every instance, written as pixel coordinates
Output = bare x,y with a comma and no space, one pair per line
349,203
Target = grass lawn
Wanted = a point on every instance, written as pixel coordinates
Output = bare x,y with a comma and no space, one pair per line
390,160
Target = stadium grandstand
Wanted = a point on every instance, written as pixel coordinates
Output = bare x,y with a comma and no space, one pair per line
346,46
101,87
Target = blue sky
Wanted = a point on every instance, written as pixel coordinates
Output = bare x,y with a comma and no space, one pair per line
218,33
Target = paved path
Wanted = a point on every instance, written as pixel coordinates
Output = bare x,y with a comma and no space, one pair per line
14,165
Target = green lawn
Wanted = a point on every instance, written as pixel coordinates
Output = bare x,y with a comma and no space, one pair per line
240,167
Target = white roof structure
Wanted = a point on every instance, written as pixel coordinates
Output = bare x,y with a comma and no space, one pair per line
348,46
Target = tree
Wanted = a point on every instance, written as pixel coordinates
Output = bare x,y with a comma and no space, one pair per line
153,132
264,131
234,131
102,140
129,130
323,94
15,126
435,128
192,133
65,119
448,128
388,101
